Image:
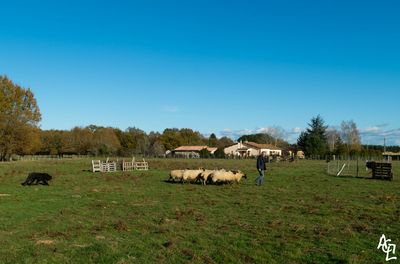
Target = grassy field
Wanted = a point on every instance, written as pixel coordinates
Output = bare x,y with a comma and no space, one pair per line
300,215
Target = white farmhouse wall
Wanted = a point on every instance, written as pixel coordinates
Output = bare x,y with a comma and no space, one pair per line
271,152
254,152
231,150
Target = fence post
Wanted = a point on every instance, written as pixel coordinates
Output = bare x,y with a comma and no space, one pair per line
357,167
337,165
348,163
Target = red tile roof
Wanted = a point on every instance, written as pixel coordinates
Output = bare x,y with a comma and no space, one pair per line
195,148
190,148
212,150
260,146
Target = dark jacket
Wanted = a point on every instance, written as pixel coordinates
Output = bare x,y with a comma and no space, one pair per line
261,163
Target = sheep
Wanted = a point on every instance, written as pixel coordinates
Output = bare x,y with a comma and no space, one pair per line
238,176
191,175
176,175
227,176
205,175
221,176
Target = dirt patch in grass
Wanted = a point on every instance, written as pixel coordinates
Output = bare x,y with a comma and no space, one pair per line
161,230
168,244
184,214
189,214
45,242
188,253
321,231
223,229
297,228
275,223
247,259
80,246
388,198
55,234
210,202
321,199
207,260
360,228
288,208
121,226
99,227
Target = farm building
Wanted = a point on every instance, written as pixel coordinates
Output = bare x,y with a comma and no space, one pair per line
391,155
191,151
251,149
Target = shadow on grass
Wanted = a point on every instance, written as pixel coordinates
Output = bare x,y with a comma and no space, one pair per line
182,183
201,184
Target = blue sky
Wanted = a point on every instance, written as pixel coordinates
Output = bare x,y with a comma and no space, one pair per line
228,67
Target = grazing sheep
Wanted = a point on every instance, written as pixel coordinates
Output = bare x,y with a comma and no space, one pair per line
176,175
239,175
205,175
227,176
221,176
192,175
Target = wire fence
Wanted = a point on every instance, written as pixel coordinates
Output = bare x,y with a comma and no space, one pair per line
46,157
354,167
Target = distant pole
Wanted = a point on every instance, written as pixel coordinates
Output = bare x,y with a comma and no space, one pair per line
384,144
384,147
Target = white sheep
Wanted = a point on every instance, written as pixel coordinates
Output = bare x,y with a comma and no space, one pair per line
238,175
206,175
176,175
191,175
227,176
221,176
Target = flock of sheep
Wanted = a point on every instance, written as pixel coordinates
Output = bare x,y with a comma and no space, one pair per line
206,176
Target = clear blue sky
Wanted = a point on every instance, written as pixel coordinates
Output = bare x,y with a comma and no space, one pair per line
226,67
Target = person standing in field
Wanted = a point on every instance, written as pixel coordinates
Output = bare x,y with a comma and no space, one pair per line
261,167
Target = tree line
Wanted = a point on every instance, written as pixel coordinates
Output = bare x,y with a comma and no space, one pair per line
319,140
20,134
96,140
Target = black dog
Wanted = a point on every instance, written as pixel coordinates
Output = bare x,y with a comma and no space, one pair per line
38,177
370,164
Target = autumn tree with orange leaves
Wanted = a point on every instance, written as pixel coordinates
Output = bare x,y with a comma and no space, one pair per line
19,119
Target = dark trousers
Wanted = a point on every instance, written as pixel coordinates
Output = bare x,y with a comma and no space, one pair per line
260,178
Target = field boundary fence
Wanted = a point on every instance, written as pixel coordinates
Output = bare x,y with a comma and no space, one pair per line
352,166
46,157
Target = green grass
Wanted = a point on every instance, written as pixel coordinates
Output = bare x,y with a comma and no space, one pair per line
300,215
